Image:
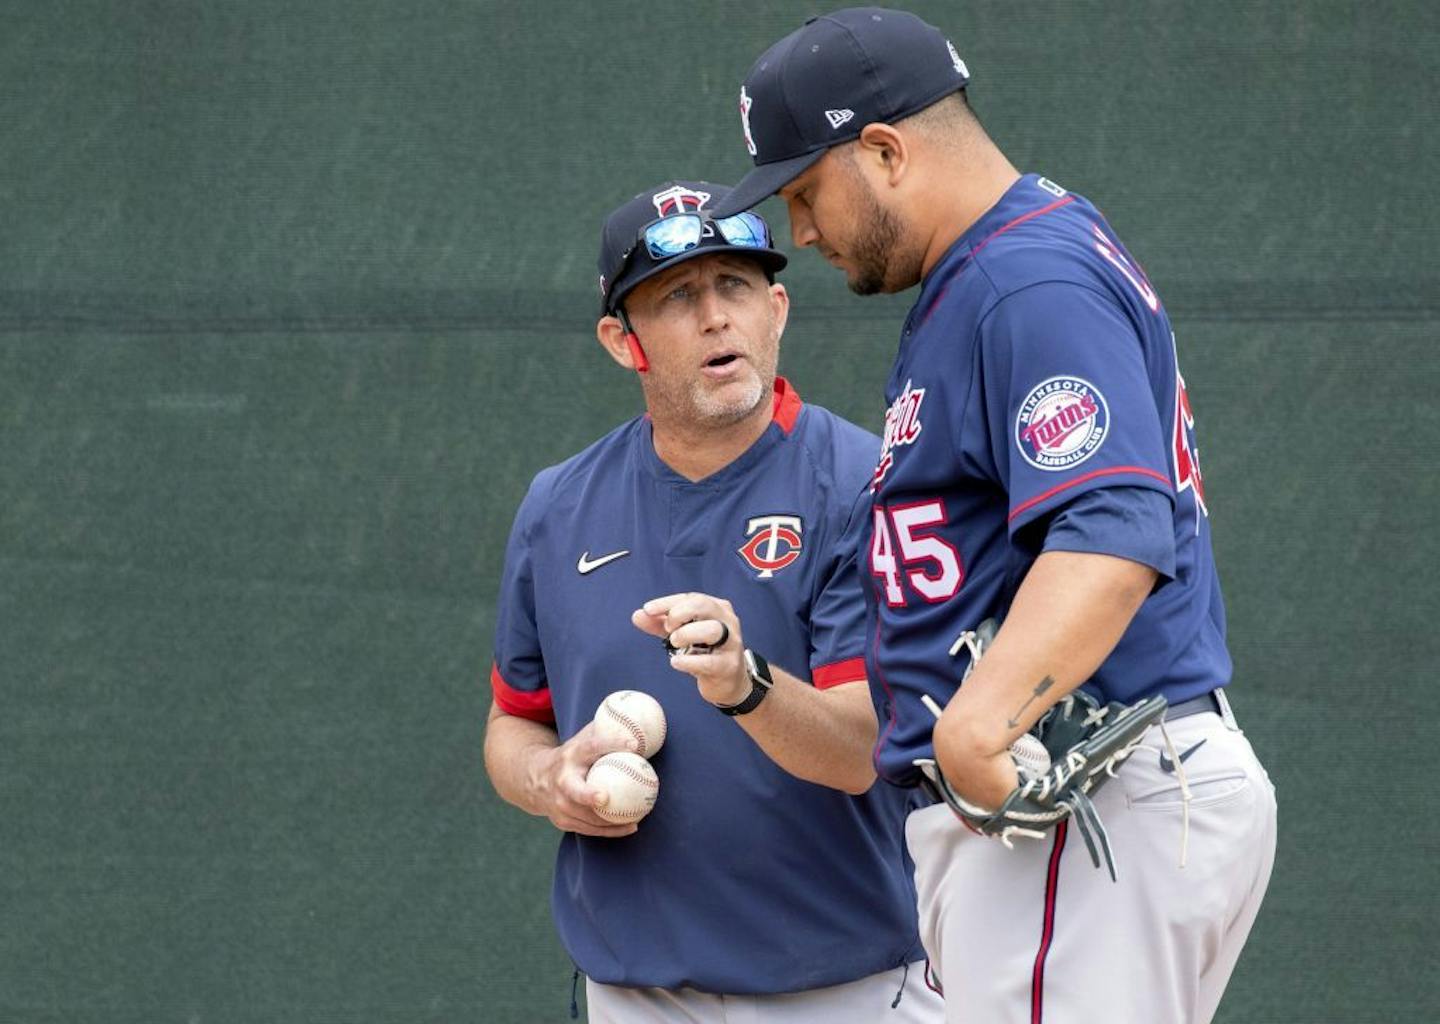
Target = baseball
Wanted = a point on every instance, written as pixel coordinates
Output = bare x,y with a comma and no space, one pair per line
629,713
1030,756
631,783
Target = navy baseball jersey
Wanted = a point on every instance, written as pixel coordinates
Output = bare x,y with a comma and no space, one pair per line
1036,382
743,879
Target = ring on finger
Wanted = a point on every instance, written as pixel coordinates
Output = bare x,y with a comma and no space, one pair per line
672,650
707,648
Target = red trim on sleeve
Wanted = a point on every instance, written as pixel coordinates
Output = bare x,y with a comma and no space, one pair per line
1112,471
852,670
535,705
787,405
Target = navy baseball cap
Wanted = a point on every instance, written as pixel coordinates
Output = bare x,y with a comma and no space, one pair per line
626,259
824,82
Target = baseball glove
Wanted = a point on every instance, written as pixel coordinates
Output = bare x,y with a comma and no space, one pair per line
1086,743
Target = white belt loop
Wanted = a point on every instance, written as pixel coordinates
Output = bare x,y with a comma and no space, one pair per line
1179,764
1226,714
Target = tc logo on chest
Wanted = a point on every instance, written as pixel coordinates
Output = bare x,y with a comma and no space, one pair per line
1061,423
774,543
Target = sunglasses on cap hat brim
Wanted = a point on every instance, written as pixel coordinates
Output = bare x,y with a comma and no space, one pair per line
667,237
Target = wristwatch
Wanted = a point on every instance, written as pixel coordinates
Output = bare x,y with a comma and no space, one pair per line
760,682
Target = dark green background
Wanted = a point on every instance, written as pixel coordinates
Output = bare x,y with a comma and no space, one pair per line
296,297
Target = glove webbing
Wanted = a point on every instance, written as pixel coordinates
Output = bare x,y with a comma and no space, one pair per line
1075,805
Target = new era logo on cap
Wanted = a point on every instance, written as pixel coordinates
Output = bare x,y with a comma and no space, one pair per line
824,82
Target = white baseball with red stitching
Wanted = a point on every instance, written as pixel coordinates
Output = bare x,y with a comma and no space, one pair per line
630,714
630,782
1030,756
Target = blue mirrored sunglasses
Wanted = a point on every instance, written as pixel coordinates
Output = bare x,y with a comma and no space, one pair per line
681,232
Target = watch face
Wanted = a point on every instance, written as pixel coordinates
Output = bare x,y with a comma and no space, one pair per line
758,669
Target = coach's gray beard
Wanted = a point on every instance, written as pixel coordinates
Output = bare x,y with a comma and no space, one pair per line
719,412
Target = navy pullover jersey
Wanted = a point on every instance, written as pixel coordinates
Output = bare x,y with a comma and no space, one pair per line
743,879
1037,367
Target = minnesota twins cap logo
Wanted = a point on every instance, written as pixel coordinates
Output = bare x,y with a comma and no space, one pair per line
1062,422
774,543
678,199
746,102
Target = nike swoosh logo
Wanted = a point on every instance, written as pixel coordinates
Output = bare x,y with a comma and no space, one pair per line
586,565
1166,765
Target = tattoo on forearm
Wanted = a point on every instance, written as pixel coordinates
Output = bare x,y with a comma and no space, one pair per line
1040,689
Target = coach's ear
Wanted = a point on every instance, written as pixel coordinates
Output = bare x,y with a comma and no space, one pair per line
623,346
780,305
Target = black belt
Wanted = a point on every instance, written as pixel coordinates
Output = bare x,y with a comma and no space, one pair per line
1194,706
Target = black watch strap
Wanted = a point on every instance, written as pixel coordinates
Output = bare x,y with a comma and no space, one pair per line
758,669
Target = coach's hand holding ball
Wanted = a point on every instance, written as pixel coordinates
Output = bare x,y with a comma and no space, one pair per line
704,633
559,786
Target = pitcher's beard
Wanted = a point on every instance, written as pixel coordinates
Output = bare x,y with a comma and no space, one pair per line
880,265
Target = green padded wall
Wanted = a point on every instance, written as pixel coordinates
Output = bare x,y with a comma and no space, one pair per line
296,297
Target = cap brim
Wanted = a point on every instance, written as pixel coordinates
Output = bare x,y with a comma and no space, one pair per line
770,259
763,182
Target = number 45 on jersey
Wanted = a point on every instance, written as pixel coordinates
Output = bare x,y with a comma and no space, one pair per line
905,552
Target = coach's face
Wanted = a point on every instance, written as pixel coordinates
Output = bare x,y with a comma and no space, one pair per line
710,327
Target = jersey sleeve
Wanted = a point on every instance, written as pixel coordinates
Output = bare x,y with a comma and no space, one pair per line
1068,400
1140,518
517,675
837,619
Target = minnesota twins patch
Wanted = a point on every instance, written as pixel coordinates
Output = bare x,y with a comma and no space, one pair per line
1062,422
